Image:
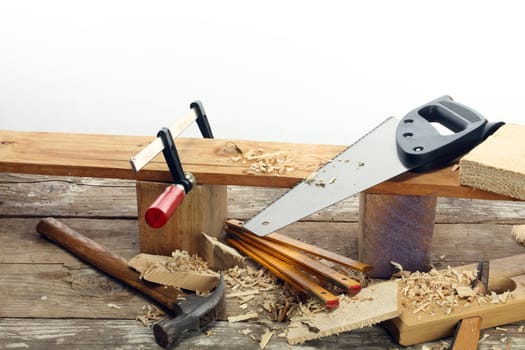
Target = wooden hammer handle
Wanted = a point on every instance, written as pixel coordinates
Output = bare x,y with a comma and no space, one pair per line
106,261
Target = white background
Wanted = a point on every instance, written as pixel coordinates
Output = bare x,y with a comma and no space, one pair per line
298,71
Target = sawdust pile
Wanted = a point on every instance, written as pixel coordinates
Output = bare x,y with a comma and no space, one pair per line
181,270
259,161
441,292
182,261
258,289
151,314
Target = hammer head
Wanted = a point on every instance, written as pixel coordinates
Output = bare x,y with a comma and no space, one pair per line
192,313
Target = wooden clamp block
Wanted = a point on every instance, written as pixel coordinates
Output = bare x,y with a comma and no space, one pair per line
395,229
204,209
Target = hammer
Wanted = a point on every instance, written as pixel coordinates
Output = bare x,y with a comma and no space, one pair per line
190,314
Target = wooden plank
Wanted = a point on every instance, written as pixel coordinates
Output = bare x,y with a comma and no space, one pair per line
48,334
26,195
108,156
498,164
452,244
460,239
52,290
87,334
21,244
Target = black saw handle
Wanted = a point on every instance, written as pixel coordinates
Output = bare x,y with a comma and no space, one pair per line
421,147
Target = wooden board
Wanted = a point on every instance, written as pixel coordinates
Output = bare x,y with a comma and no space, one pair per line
505,274
108,156
105,210
498,164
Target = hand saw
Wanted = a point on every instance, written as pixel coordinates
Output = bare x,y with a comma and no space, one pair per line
392,148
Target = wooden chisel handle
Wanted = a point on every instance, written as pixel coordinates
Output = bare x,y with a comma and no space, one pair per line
467,334
100,257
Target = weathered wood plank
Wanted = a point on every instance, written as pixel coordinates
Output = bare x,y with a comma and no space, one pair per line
16,333
86,334
452,243
66,281
40,196
21,244
108,156
56,291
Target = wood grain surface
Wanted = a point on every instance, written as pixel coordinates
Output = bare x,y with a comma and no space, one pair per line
69,299
107,156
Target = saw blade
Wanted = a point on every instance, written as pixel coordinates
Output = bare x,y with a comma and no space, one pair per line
369,161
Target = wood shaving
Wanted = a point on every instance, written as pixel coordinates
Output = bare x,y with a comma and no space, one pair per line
151,315
232,148
485,337
243,293
397,265
114,306
443,292
181,270
243,317
260,289
261,162
265,339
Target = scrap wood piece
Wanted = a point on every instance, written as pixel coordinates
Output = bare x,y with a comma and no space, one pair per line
180,271
218,255
374,304
497,164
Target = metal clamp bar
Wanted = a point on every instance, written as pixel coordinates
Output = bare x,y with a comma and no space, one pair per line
197,113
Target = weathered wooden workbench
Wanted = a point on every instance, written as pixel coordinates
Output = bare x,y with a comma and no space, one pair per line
51,300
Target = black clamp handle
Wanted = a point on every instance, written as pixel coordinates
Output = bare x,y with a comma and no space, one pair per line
163,207
170,150
202,119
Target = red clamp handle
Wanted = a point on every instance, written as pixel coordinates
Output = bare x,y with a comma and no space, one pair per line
160,211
